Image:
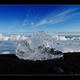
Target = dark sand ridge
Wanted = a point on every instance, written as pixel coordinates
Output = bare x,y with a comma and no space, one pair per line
11,64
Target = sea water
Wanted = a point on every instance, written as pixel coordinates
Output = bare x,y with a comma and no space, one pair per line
7,47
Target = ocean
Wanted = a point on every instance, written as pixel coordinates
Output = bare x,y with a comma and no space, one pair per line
8,46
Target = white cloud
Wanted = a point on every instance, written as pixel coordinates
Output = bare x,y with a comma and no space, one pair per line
65,12
60,17
29,22
32,23
42,22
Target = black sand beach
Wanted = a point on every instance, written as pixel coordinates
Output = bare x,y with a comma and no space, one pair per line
11,64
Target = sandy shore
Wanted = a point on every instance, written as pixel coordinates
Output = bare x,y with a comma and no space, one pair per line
70,64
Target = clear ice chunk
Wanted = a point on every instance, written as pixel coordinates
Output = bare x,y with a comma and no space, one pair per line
39,48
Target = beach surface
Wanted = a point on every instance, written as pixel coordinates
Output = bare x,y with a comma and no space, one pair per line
69,64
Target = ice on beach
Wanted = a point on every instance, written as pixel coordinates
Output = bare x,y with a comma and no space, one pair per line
36,49
30,48
25,52
40,38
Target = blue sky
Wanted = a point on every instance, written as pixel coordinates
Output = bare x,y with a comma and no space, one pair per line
31,18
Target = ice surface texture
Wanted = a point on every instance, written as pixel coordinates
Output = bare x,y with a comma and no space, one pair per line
34,47
38,48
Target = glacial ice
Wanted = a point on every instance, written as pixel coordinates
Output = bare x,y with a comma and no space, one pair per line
38,48
30,48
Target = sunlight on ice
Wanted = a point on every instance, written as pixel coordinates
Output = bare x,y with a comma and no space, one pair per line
39,48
